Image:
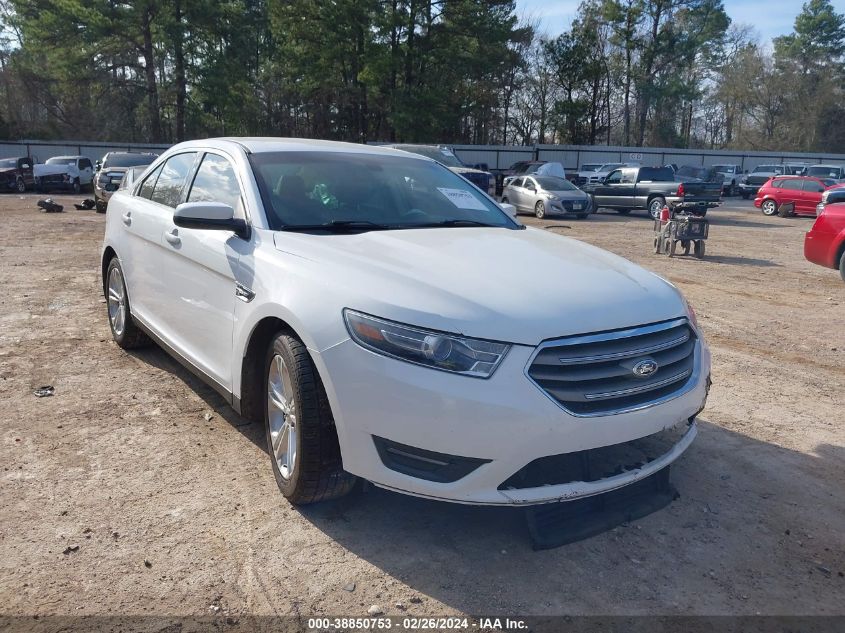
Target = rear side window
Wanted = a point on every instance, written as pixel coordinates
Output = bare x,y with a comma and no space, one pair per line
216,182
517,182
171,181
149,184
793,184
655,174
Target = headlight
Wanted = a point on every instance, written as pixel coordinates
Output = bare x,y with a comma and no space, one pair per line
693,318
438,350
552,197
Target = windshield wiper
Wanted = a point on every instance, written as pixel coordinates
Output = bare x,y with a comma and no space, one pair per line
455,222
338,226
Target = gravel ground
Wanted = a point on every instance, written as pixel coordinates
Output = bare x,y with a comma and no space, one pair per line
121,496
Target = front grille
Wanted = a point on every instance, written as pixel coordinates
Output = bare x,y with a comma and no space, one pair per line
608,372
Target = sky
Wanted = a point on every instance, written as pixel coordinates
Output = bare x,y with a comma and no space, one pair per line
769,17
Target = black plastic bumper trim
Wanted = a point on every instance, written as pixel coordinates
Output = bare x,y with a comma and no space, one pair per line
423,464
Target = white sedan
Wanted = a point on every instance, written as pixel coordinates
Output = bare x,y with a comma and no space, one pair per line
384,319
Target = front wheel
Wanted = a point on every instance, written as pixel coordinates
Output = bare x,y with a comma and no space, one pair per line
540,210
842,266
656,206
20,186
698,248
301,435
76,186
769,207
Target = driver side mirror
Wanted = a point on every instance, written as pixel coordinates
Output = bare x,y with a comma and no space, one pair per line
214,216
98,166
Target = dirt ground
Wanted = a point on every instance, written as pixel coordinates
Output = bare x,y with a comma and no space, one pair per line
176,514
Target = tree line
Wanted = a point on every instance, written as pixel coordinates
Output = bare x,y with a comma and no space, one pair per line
671,73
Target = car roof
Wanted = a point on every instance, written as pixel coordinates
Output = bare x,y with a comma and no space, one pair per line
68,156
260,145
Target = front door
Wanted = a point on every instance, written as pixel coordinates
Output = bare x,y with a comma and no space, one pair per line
607,192
201,271
811,196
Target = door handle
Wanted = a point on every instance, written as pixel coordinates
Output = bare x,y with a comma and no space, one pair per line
173,237
127,218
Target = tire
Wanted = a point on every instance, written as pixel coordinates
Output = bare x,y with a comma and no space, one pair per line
540,210
842,266
100,205
38,187
20,186
655,206
686,245
698,248
297,418
769,207
732,190
622,211
77,188
124,331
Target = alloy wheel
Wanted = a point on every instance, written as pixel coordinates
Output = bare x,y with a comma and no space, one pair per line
281,410
117,301
540,210
769,207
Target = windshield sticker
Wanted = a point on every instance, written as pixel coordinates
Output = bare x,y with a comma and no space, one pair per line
462,198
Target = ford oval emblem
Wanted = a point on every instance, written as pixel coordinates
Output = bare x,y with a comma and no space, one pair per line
644,368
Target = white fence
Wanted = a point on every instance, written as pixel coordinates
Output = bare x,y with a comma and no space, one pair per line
494,156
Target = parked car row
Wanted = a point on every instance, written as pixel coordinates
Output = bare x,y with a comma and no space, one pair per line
73,173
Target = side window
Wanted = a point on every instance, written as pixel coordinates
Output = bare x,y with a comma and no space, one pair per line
813,186
26,164
530,184
216,182
517,182
171,181
628,176
84,163
146,190
792,184
615,177
777,184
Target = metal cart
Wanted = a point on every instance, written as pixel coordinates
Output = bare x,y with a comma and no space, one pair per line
681,229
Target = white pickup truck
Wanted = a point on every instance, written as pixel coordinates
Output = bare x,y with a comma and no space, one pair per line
64,172
731,175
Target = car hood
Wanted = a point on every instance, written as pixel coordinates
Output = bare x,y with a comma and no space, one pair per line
519,286
8,170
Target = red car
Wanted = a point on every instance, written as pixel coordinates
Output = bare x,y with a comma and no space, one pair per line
824,244
805,192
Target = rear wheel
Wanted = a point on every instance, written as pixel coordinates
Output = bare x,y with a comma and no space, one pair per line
20,186
769,207
300,431
123,329
698,248
655,206
540,210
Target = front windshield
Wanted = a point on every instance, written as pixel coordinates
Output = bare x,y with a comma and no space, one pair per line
59,160
825,172
550,183
767,169
440,154
610,166
590,167
8,163
726,169
829,182
308,189
128,160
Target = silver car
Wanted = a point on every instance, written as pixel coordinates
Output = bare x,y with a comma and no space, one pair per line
547,195
110,172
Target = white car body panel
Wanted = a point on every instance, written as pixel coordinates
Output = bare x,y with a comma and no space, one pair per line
86,176
478,282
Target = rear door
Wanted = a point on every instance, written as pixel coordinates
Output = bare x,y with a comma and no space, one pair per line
201,268
145,221
791,190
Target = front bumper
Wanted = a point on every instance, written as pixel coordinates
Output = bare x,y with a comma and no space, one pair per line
569,206
749,189
506,422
